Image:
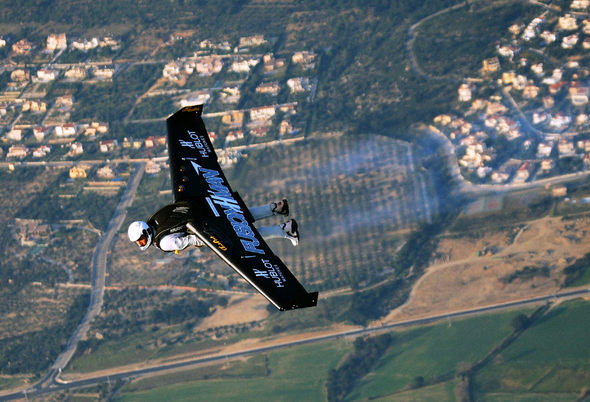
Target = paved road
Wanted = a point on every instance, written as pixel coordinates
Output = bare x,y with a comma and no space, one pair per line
58,385
99,265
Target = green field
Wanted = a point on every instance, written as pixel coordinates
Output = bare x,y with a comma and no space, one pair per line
434,353
552,357
548,361
277,382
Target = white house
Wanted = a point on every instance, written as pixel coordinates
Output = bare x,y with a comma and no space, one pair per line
56,42
464,93
17,151
65,130
567,23
262,113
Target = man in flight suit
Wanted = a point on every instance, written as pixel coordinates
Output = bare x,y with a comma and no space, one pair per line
166,229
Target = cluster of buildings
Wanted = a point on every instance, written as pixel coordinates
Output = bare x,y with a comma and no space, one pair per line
216,58
57,42
538,107
35,126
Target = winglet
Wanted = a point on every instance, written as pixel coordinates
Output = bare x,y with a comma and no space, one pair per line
194,108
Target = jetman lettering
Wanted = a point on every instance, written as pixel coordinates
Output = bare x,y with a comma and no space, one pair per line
221,196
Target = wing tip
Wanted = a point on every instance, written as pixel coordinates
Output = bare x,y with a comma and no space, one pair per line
311,300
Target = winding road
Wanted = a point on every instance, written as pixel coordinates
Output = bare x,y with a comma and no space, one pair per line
99,266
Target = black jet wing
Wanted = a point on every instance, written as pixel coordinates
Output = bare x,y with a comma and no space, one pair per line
221,219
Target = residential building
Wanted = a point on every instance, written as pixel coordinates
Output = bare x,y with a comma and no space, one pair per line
64,101
559,191
254,40
152,167
270,88
299,84
234,136
23,46
15,134
230,94
442,119
544,149
56,42
259,131
17,151
46,75
464,93
262,113
103,73
580,4
40,132
243,65
234,118
20,75
570,41
516,29
65,130
76,149
77,172
567,23
565,148
491,65
508,51
272,64
85,45
530,92
549,37
560,121
499,177
578,95
107,145
304,57
196,98
41,151
106,172
208,66
209,44
285,127
111,42
76,73
34,106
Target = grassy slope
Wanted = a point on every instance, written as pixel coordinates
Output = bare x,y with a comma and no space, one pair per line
312,364
537,366
431,352
551,357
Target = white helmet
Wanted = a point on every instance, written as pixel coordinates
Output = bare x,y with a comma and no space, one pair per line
137,230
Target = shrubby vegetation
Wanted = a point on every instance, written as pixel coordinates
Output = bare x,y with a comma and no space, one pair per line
111,101
360,362
578,270
526,273
34,352
50,207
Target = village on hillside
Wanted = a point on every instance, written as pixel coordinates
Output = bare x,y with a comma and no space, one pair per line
526,116
35,126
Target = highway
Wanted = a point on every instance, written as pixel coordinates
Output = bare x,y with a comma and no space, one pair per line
56,385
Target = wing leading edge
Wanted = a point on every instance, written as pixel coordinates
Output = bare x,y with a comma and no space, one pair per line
220,217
